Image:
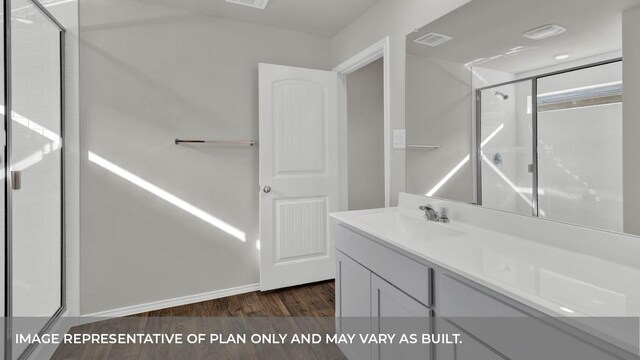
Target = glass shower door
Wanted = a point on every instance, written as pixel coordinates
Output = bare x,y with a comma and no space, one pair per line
35,146
504,148
580,146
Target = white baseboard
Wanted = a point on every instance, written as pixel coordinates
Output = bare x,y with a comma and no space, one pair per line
185,300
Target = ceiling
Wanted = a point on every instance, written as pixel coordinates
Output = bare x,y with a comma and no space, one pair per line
318,17
492,30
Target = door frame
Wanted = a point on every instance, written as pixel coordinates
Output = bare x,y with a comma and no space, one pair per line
379,50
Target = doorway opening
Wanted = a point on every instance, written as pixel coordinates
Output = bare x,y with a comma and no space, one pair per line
365,129
365,137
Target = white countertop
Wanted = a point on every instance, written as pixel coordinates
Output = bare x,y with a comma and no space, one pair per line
554,280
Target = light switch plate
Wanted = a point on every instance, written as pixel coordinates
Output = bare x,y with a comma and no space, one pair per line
399,139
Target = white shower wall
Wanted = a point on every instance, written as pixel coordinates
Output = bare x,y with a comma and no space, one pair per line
580,166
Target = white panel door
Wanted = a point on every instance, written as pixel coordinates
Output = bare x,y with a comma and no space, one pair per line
299,174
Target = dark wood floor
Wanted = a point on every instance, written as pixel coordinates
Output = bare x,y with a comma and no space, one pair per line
313,300
307,309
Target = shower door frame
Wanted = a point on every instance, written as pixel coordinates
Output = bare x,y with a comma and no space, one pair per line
534,126
8,142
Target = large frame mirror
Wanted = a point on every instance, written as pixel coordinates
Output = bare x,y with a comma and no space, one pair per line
518,106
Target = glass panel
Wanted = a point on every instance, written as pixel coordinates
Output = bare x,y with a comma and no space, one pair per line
2,167
506,151
580,147
36,159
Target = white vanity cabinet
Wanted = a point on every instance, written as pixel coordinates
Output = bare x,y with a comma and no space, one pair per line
378,285
510,329
379,291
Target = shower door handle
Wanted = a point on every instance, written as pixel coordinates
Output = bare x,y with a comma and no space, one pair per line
16,180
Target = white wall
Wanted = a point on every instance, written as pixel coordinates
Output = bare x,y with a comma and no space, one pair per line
438,112
393,18
150,74
631,115
365,136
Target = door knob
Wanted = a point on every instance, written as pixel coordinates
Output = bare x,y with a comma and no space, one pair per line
267,189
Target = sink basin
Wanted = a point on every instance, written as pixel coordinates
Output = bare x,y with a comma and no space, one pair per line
416,227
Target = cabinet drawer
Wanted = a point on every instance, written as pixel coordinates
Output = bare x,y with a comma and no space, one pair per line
508,329
408,275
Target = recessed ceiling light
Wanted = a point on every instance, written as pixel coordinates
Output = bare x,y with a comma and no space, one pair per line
258,4
562,56
544,32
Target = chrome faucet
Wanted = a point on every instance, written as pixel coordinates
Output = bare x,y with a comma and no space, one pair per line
431,214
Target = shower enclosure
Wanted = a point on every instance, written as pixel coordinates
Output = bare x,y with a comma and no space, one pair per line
32,177
550,146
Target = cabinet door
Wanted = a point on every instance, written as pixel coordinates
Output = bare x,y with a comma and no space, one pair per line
394,312
353,304
467,349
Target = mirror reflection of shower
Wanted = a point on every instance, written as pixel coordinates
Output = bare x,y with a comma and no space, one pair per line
558,154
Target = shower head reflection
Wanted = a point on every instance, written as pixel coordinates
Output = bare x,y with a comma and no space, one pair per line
500,95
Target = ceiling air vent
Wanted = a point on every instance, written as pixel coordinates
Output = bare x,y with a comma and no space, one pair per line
432,39
544,32
258,4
